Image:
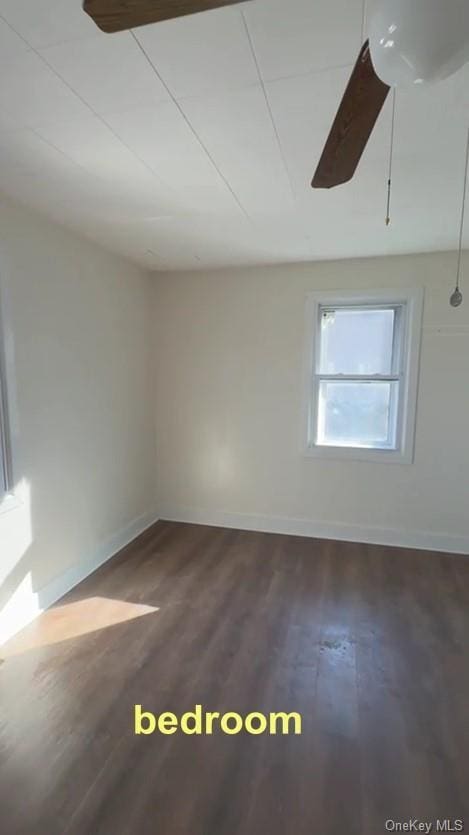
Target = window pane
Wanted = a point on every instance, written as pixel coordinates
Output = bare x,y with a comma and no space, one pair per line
357,341
357,414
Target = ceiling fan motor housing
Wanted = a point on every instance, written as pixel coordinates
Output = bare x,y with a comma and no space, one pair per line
418,41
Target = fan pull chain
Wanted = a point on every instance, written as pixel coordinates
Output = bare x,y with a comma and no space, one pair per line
456,298
391,157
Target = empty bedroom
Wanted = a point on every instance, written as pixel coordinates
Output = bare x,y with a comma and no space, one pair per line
234,417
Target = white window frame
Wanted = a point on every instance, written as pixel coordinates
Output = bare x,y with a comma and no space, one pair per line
410,305
6,480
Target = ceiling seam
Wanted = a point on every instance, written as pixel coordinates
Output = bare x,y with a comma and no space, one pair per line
247,85
191,127
268,105
80,165
178,104
272,119
102,119
309,73
18,34
93,113
85,170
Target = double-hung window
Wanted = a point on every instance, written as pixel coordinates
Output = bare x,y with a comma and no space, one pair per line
362,373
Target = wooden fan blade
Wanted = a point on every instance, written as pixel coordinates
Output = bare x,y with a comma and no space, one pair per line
360,107
118,15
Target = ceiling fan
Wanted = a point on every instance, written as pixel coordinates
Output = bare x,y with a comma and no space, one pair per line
119,15
410,42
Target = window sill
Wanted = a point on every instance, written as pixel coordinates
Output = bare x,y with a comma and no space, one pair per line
9,502
377,456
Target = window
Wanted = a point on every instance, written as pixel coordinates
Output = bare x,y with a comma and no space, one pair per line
5,472
362,372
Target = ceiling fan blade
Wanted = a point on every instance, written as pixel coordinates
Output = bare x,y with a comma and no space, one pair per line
360,107
118,15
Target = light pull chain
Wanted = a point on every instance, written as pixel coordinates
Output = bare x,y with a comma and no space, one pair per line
391,157
456,298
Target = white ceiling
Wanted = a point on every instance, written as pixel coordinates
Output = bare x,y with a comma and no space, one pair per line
195,145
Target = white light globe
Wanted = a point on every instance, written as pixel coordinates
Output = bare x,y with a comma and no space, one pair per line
416,41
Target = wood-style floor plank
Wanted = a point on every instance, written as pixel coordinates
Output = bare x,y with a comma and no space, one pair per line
368,643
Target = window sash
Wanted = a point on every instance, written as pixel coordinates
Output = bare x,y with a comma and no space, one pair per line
397,355
389,444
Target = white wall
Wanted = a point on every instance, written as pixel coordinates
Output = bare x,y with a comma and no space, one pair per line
229,352
78,336
116,377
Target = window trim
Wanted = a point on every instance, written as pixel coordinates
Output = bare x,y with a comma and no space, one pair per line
411,302
6,478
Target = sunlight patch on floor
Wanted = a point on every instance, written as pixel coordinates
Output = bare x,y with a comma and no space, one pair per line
61,623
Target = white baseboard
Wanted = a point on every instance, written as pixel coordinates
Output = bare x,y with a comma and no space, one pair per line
26,603
422,540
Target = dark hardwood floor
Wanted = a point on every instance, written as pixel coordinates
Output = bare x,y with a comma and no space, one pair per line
369,644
